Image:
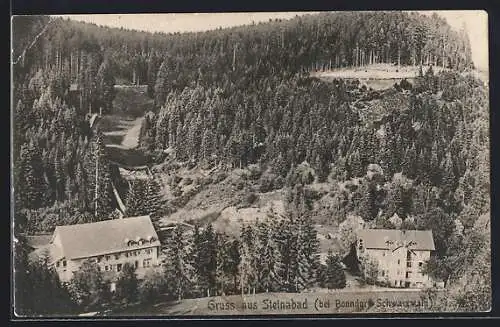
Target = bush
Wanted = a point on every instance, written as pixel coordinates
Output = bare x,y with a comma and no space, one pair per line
220,177
255,171
249,199
152,286
270,182
240,185
405,85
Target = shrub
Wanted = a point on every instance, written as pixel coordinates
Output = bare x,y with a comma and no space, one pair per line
240,185
249,199
220,177
255,171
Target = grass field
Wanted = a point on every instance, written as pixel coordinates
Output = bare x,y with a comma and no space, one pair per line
317,302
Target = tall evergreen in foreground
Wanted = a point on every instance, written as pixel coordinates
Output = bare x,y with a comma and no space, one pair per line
179,269
97,171
334,273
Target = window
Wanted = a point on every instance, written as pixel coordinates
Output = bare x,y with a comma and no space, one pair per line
108,258
399,262
98,268
382,273
126,254
395,283
408,274
408,264
64,263
420,264
57,264
106,268
136,264
146,263
119,267
117,256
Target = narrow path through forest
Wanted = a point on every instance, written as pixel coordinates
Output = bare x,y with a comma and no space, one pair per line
126,136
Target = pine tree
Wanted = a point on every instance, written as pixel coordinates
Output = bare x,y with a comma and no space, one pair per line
196,260
31,183
335,276
286,265
154,204
135,199
178,271
268,259
97,167
248,257
106,83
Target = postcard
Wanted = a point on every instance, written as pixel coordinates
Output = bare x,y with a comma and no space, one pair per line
208,164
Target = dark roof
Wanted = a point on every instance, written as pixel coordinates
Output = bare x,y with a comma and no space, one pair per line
104,237
382,238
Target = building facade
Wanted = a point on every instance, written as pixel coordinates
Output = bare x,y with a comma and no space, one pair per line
398,255
110,244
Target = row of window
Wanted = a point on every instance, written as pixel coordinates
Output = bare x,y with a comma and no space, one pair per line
384,273
128,254
109,257
118,267
140,241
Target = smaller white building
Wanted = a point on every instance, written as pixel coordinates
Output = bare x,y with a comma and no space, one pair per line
109,243
399,255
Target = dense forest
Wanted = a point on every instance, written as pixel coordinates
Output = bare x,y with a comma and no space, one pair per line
242,96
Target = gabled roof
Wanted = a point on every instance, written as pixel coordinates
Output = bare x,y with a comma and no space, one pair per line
104,237
381,238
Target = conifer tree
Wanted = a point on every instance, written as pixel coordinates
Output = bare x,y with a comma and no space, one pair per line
267,261
178,271
31,183
97,170
248,258
335,276
135,198
154,204
105,84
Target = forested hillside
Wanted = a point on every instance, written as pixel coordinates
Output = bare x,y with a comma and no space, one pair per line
242,98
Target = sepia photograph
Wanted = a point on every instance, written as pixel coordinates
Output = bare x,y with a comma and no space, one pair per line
259,163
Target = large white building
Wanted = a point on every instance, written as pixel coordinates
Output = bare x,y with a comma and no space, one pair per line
109,243
399,255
